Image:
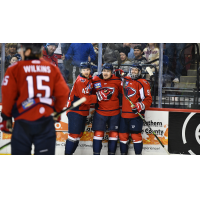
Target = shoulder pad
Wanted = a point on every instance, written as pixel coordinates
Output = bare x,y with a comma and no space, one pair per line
127,78
95,78
82,80
143,81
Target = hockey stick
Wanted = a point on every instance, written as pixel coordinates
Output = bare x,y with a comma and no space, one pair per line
75,104
145,122
89,122
5,145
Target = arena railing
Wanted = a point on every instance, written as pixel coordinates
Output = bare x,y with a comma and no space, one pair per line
195,59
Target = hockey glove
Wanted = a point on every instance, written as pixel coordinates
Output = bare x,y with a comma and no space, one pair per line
119,72
103,95
56,119
5,123
138,108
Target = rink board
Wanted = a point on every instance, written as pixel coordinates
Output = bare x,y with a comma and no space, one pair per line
158,120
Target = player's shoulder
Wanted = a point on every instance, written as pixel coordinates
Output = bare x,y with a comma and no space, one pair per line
81,80
96,78
14,65
113,77
127,78
144,82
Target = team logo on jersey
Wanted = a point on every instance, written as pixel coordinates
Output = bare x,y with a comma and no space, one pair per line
109,90
130,91
83,80
127,83
97,85
28,103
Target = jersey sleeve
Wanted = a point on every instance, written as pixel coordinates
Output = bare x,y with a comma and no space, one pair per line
9,91
83,91
145,93
61,92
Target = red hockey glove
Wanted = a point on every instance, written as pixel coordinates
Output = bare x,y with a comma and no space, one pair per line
5,123
138,108
119,72
103,95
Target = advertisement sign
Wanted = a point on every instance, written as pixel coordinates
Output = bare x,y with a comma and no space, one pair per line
184,129
158,121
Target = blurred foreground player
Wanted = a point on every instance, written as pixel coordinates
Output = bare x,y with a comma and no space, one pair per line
77,117
106,112
138,90
32,90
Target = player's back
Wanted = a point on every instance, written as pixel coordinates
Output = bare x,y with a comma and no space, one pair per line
33,84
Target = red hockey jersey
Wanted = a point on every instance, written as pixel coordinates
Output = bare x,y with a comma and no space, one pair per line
82,88
52,59
137,91
111,106
32,89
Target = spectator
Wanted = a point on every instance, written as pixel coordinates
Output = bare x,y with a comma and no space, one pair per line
138,52
112,52
52,53
151,52
124,59
131,55
48,53
171,48
58,53
12,50
12,60
77,53
66,63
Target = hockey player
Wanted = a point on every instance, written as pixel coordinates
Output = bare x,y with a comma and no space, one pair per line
77,117
138,90
106,112
32,89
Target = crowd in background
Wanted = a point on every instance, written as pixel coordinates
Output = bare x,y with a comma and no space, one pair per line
68,56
